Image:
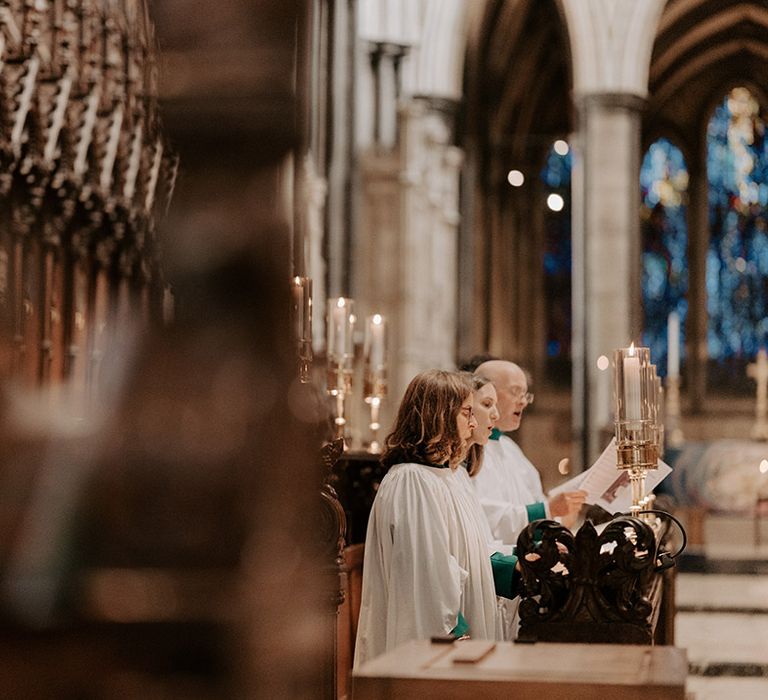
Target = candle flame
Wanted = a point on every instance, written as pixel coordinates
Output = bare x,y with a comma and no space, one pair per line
631,352
297,281
377,319
341,302
764,466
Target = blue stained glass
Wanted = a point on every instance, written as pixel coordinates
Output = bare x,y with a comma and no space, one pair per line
663,188
737,261
556,176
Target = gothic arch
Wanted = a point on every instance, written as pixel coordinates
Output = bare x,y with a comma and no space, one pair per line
702,49
518,85
604,30
435,32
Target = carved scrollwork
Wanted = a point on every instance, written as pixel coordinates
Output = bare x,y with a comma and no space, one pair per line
588,578
545,550
626,556
333,521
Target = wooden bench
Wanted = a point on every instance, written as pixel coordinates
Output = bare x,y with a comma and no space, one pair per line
349,612
424,671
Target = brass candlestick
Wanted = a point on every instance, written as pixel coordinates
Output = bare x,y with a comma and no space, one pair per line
340,388
375,374
374,446
301,290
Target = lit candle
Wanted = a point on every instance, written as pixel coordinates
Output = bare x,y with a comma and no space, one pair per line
306,330
375,345
297,295
673,345
340,327
632,385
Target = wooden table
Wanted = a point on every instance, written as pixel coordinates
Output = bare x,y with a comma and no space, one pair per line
423,671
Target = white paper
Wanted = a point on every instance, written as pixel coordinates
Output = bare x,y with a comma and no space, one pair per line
609,487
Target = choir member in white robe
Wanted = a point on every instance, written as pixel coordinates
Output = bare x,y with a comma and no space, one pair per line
509,486
484,406
426,570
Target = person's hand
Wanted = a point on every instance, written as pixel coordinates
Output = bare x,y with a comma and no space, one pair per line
567,504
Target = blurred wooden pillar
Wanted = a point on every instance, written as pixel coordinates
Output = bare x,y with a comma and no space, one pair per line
229,248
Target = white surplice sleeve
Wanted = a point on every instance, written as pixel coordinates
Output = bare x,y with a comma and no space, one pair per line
412,582
500,496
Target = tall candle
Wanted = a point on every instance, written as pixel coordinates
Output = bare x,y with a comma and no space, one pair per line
340,327
632,385
376,341
673,345
297,292
306,330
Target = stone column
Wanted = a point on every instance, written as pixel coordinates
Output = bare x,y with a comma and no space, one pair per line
503,289
611,45
697,321
406,262
339,214
515,271
530,274
606,249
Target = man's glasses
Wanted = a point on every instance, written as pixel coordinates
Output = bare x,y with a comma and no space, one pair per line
520,395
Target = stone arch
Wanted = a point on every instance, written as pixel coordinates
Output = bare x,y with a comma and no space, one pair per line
701,50
518,85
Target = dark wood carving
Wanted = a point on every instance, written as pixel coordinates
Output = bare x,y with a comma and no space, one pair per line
333,527
333,522
588,587
356,477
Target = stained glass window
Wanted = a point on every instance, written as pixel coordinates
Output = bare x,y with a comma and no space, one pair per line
663,188
556,176
737,260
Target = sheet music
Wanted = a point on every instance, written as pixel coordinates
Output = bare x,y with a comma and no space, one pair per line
609,487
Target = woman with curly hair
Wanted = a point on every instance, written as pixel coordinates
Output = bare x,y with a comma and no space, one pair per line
427,569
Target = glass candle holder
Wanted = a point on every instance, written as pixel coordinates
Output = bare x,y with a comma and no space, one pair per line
636,404
636,409
340,351
375,373
301,295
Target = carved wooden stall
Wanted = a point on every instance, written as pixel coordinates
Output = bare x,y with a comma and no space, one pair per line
84,170
333,527
350,487
595,588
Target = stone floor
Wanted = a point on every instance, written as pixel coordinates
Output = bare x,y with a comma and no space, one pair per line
722,618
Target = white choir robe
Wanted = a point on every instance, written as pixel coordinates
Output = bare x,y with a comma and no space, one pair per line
509,489
507,618
426,560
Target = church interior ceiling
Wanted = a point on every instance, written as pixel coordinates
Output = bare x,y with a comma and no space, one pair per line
702,49
519,86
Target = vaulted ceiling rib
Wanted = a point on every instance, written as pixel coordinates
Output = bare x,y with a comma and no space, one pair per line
702,49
